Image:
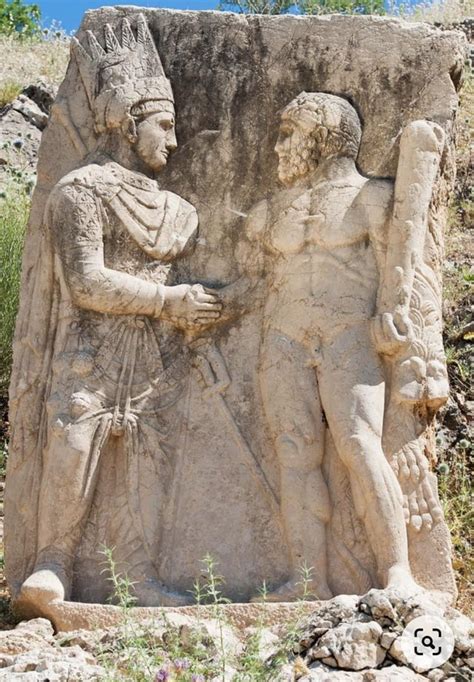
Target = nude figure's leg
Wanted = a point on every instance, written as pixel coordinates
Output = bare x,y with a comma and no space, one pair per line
352,389
70,466
294,417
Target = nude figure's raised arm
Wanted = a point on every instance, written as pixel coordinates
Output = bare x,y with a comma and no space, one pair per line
421,146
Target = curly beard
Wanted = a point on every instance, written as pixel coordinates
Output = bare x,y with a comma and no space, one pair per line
299,163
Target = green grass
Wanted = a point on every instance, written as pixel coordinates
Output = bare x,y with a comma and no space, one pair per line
14,209
437,11
158,649
456,467
3,465
457,497
8,92
31,59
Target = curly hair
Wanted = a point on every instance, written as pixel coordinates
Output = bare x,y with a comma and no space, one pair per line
316,111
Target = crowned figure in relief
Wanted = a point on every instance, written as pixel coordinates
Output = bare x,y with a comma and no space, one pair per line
113,368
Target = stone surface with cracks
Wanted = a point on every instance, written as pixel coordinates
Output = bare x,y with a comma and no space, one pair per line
262,390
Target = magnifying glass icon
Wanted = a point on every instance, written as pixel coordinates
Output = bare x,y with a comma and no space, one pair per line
427,641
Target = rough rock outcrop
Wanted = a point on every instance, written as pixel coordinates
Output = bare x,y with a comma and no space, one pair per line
363,635
21,125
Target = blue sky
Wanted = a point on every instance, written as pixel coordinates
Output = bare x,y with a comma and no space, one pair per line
69,12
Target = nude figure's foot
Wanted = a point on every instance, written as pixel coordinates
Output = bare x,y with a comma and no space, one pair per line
401,579
41,588
151,592
293,590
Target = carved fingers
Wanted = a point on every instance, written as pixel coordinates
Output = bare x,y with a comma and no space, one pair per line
202,307
191,306
202,295
391,332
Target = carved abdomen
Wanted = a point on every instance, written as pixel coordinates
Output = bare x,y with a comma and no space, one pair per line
323,291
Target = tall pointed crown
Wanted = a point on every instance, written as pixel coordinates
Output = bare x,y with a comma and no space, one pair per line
123,78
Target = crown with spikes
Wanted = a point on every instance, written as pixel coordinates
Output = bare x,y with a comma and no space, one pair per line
125,77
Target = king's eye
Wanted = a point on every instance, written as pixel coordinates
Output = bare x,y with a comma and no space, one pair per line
167,125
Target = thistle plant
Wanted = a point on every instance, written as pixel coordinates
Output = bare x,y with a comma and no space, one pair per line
122,586
306,578
212,594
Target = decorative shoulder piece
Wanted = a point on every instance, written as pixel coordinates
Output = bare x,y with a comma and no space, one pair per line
124,77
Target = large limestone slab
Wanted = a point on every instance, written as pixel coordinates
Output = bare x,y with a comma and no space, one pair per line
286,427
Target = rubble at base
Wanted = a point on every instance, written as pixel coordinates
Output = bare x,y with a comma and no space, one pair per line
347,638
362,636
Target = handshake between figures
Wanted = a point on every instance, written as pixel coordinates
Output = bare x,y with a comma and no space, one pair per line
191,307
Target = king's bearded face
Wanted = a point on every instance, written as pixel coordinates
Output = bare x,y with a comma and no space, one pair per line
296,149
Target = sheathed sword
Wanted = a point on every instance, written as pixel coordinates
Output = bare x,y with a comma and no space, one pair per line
209,362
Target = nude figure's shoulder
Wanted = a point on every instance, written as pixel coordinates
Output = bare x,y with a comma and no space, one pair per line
376,196
256,221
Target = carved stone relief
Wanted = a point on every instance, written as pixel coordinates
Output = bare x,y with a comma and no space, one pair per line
246,358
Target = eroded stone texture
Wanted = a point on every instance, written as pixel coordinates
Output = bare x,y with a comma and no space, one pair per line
260,387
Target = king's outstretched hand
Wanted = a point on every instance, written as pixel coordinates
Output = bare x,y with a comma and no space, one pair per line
190,306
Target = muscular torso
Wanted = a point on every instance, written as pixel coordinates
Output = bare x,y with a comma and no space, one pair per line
323,260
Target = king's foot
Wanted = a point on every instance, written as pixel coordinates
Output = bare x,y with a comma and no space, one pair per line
41,588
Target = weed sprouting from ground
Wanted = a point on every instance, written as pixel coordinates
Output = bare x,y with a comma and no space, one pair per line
306,577
212,584
122,586
129,647
212,594
9,90
162,648
201,649
133,652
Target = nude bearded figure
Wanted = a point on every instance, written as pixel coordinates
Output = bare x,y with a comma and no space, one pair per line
322,251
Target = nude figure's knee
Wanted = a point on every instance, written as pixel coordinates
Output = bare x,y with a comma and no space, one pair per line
362,453
360,449
297,450
301,475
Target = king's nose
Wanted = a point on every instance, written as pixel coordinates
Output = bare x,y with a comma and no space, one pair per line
172,142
